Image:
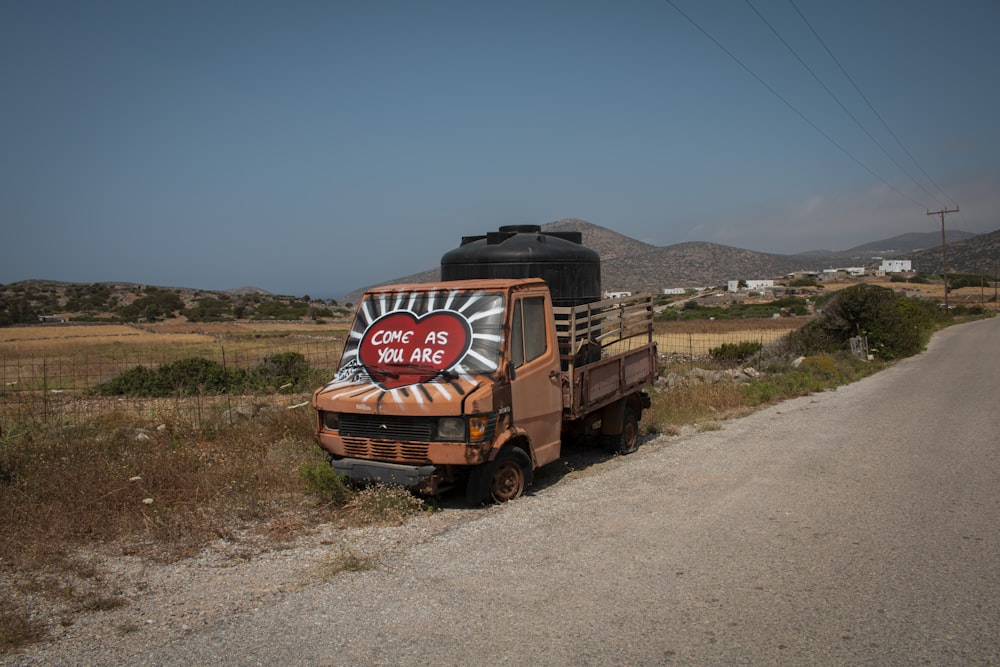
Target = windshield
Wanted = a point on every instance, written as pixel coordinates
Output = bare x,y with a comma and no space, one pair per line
408,337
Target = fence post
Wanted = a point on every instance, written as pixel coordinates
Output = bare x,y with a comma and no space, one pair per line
45,390
229,401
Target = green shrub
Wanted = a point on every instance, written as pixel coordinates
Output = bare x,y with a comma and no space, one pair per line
199,376
324,482
184,377
692,310
156,304
280,310
896,326
822,364
735,353
779,386
284,368
209,309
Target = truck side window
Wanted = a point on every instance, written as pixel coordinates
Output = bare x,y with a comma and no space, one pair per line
534,328
527,337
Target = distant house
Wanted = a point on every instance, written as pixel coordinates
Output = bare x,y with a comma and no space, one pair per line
51,319
616,295
734,285
674,290
896,265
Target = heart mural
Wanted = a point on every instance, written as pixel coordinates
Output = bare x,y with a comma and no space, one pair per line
400,348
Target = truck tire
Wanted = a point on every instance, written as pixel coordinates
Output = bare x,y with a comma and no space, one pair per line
628,441
504,478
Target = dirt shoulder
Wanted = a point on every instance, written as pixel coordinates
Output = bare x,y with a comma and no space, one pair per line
158,602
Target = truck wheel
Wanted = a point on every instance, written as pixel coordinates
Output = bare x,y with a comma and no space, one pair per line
502,479
628,441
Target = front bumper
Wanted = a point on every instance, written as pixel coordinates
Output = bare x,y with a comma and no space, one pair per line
422,478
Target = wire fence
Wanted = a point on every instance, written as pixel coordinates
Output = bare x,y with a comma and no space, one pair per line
65,386
696,347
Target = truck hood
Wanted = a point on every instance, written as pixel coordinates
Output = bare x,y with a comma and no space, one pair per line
437,397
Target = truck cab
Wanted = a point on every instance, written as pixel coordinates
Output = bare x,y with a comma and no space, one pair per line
438,379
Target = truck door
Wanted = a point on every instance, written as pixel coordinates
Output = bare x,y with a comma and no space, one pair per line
536,389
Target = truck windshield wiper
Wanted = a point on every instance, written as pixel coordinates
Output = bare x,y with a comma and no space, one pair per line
415,369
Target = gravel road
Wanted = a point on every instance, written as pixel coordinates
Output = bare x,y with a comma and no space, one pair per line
857,526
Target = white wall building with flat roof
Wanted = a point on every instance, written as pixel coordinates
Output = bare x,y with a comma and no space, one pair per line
896,265
734,285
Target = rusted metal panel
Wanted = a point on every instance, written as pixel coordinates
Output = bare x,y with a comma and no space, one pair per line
608,380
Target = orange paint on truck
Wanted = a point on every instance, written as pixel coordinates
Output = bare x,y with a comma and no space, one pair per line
479,382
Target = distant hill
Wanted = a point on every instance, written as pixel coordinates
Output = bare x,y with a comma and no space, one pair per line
692,264
978,254
909,243
239,291
609,245
628,264
631,265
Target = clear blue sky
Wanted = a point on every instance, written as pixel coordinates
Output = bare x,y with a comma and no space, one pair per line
317,147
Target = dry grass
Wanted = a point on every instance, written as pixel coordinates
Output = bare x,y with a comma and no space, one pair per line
52,332
100,338
85,477
746,324
702,343
118,485
693,405
966,296
118,480
698,337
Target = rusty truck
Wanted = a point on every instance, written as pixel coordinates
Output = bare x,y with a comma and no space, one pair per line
479,382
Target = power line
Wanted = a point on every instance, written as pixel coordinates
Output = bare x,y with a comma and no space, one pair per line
837,100
870,106
791,106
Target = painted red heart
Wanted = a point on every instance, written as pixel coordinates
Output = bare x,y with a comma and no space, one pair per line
400,348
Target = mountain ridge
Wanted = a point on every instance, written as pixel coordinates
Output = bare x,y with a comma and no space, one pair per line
631,265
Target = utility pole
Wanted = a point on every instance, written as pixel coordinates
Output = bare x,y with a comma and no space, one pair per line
944,249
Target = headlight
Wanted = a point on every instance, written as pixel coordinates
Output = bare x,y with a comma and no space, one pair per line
331,421
451,428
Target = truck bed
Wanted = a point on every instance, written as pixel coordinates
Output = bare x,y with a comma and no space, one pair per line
607,351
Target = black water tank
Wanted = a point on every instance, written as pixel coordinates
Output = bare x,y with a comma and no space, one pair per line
572,270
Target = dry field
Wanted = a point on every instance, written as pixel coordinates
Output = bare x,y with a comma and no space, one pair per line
698,337
184,337
966,296
49,371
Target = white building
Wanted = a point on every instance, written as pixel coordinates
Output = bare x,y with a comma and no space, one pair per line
674,290
734,285
896,265
616,295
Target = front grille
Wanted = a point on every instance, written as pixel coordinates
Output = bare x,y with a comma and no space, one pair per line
386,427
383,450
